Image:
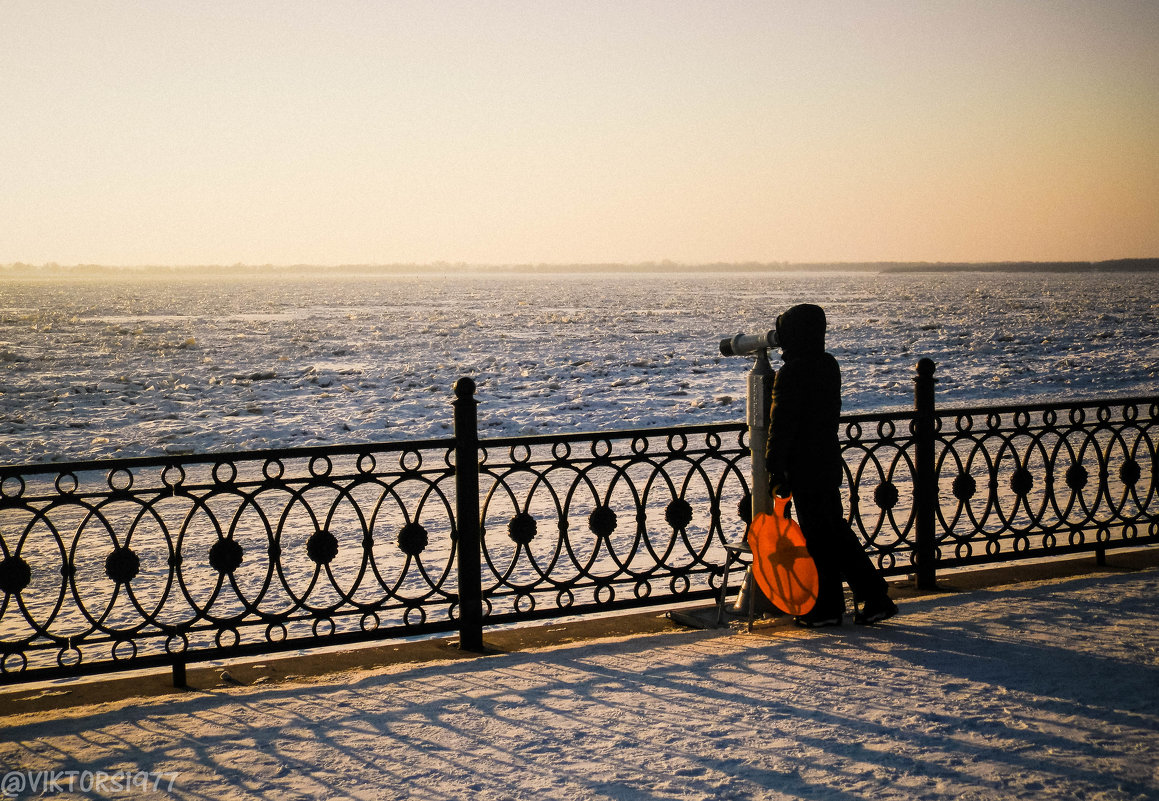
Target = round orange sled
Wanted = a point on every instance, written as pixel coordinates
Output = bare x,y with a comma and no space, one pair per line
783,568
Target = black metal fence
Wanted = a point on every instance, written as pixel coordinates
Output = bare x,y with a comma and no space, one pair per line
110,565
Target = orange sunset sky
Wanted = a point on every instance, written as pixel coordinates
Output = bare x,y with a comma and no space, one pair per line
585,131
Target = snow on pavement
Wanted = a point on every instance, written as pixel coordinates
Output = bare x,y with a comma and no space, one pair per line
1043,690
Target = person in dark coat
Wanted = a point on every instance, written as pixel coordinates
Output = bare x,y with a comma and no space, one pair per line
804,459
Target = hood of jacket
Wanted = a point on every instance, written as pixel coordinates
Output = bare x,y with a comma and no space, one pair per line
801,330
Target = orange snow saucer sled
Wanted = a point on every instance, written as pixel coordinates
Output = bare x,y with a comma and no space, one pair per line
782,566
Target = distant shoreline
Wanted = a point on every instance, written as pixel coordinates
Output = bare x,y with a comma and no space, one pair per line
21,270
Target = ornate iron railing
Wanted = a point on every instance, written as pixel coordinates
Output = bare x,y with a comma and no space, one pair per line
111,565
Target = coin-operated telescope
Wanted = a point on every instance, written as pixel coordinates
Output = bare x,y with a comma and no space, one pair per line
758,407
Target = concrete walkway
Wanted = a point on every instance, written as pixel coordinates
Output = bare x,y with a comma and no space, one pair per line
1037,689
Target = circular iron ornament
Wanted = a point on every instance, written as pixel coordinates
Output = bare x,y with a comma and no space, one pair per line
322,547
413,539
564,598
886,495
1076,477
1130,472
1021,482
69,656
320,466
276,632
120,480
524,603
119,645
677,443
520,454
173,476
225,556
15,575
744,509
232,633
410,461
521,528
605,594
680,585
19,658
602,521
176,644
643,589
639,445
370,622
273,469
316,628
67,483
12,487
678,514
561,451
408,617
224,473
964,487
122,565
366,463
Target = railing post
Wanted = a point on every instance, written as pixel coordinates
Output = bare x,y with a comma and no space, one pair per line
925,478
467,516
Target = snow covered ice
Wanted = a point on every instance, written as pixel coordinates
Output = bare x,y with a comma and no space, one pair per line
1037,691
135,365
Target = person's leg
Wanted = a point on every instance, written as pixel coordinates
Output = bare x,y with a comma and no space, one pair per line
855,565
870,592
817,526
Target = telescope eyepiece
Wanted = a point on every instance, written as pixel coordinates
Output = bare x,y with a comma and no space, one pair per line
748,344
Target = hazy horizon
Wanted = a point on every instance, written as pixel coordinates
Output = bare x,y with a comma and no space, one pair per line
503,132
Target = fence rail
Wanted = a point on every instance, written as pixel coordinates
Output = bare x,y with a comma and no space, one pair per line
110,565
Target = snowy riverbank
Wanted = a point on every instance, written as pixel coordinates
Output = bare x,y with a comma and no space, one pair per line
1035,690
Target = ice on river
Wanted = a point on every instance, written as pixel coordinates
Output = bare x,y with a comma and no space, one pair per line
135,365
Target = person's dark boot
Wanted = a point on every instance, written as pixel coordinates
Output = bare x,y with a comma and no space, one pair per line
819,619
875,611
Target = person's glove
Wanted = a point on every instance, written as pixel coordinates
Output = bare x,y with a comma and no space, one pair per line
779,485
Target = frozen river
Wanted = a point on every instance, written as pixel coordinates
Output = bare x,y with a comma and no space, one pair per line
139,365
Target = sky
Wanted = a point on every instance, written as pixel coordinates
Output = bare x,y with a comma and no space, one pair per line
492,132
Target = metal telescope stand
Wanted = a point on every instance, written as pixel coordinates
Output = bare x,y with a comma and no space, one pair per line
758,408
